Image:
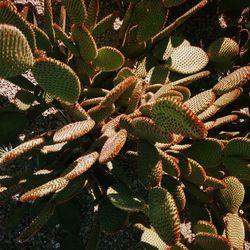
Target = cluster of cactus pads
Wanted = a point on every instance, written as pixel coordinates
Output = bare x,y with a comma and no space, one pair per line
148,110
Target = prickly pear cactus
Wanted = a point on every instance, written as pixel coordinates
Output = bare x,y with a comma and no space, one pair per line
152,131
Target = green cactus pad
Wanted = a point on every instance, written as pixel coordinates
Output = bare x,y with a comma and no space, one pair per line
113,146
37,223
233,195
165,47
149,24
196,194
58,79
145,128
93,11
207,152
222,50
9,15
157,74
201,101
175,188
111,218
73,131
232,81
173,116
42,39
209,241
237,166
170,164
48,20
99,113
65,39
187,60
108,59
235,231
198,174
163,215
76,10
204,226
151,240
45,189
123,198
149,164
85,42
238,147
16,56
172,3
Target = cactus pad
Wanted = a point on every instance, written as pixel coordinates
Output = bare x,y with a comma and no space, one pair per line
232,81
57,79
213,155
145,128
163,215
20,150
201,101
80,165
10,15
204,226
123,198
165,47
111,218
16,56
73,131
85,42
152,239
187,60
149,24
233,195
149,165
235,231
210,241
108,59
172,115
113,146
76,10
222,50
45,189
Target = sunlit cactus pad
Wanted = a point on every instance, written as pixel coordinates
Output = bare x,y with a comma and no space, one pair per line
16,56
232,81
187,60
73,131
173,116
